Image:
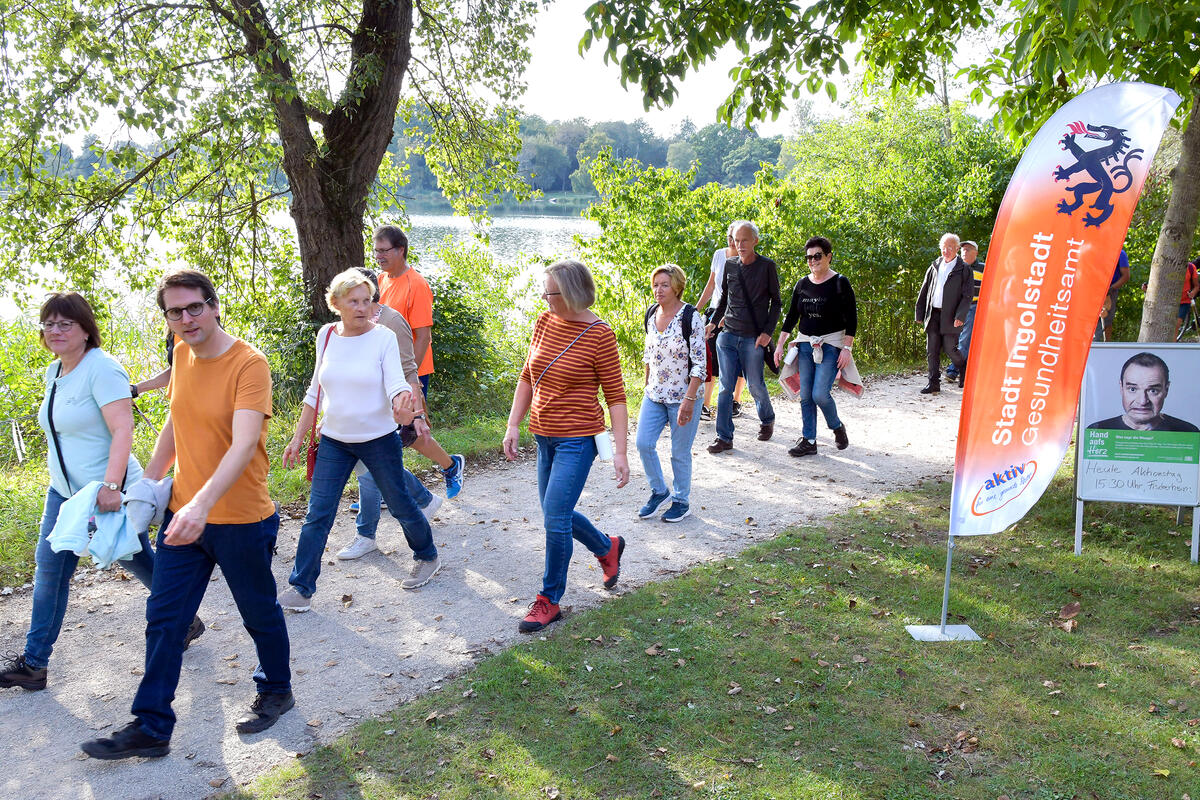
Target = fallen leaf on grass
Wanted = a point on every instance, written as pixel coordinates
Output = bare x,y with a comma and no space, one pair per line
611,758
1068,625
655,649
1180,743
734,689
433,717
1162,773
957,706
1085,664
859,659
615,730
550,792
1070,610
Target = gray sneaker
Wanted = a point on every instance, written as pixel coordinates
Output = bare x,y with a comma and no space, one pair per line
422,571
357,549
292,600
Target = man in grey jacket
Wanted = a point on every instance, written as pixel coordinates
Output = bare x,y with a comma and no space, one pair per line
942,306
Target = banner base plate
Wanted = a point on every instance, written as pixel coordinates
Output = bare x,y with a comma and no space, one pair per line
933,633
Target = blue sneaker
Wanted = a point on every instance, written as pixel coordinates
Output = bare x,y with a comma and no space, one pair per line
676,512
355,507
454,476
654,504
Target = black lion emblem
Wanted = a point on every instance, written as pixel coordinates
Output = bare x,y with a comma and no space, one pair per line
1095,163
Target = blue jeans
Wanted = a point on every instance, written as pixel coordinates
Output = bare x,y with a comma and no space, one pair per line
964,337
369,500
652,419
52,584
737,355
816,381
563,464
335,461
181,576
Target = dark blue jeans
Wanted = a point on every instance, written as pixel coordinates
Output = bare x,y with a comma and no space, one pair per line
369,499
816,381
52,584
181,576
384,459
563,464
738,356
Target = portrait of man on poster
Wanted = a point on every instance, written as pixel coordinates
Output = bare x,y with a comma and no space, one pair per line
1144,383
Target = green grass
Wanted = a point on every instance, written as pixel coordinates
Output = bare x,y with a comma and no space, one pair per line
786,673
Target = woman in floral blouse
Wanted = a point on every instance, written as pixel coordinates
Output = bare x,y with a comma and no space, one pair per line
674,372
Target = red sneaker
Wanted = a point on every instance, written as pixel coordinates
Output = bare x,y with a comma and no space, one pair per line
611,562
541,614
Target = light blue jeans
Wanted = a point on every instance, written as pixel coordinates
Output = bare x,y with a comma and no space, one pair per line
563,463
653,417
816,381
52,584
739,356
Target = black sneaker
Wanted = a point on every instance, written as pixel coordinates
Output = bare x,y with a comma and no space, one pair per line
803,448
18,673
737,409
265,711
195,631
839,436
128,742
706,412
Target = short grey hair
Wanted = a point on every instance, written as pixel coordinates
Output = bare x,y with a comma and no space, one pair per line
744,223
344,282
947,236
575,283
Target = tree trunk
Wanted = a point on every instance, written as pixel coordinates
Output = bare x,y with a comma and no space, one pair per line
1169,265
331,240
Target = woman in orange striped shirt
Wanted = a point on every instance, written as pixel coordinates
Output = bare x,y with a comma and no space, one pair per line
571,355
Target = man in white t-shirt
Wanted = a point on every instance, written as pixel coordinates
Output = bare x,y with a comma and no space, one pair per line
712,296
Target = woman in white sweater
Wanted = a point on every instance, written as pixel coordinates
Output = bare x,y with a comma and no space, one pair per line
359,382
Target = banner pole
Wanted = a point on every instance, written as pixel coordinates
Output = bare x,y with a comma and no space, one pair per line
944,633
946,589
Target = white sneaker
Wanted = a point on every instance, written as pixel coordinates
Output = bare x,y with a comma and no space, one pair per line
432,508
357,549
291,600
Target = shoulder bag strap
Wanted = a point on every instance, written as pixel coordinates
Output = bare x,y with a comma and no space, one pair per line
565,349
54,432
316,372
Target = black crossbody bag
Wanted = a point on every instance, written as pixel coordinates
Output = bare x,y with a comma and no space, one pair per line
768,352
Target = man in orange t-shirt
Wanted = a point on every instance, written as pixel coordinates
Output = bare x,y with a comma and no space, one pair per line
402,289
220,514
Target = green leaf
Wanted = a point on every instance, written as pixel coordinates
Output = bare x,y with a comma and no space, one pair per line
1141,17
1070,8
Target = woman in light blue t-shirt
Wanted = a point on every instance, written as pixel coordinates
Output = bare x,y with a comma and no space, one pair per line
87,415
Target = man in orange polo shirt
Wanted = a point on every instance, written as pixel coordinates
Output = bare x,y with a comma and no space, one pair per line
402,289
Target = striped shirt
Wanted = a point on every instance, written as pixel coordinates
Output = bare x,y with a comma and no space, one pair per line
564,398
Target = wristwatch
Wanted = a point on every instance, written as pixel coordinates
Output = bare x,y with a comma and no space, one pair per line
133,391
421,415
110,485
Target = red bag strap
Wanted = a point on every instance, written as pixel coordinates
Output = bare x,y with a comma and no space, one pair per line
312,436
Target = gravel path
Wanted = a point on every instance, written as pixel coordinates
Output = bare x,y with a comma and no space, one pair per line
367,646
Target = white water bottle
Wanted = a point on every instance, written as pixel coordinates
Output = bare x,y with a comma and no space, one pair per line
604,449
792,353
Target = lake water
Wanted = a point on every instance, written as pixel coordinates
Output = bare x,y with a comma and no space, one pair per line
509,238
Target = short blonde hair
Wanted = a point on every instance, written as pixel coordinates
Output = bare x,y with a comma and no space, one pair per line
575,283
345,281
676,274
